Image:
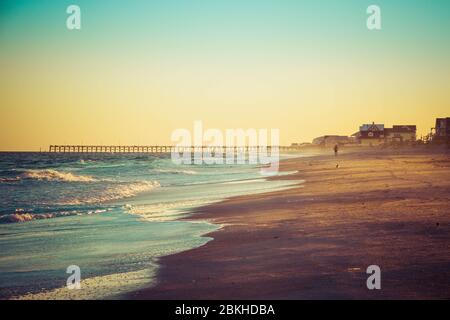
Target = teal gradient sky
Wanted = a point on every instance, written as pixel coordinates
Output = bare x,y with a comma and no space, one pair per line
196,25
307,67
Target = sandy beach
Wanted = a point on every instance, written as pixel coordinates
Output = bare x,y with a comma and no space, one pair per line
385,207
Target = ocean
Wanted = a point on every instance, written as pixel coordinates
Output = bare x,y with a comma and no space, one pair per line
112,215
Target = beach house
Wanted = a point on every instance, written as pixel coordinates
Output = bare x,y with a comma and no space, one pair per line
332,140
442,130
401,133
371,134
377,134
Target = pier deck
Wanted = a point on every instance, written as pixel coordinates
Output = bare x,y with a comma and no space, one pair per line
161,149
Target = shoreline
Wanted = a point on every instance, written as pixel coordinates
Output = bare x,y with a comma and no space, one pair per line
136,208
316,239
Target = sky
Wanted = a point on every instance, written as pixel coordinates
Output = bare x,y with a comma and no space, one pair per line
138,70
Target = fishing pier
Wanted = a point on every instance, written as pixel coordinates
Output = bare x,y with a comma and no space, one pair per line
163,149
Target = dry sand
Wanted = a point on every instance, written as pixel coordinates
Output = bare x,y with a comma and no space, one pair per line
385,207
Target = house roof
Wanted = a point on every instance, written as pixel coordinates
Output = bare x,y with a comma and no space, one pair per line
372,127
404,128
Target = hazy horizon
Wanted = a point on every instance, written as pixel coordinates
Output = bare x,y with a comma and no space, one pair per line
137,71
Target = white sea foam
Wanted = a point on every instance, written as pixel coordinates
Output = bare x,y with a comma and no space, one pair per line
245,181
165,211
9,179
175,171
21,215
114,192
287,173
54,175
100,287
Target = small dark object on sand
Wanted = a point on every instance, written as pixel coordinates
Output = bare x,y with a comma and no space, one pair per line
337,165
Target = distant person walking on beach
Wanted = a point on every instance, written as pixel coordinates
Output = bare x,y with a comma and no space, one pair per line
336,149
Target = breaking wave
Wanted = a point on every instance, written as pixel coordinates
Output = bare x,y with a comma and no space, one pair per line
115,192
19,216
174,171
54,175
22,215
9,179
93,197
165,211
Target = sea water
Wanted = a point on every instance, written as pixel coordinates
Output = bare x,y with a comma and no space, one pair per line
113,215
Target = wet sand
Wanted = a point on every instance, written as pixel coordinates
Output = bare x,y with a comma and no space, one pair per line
388,208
